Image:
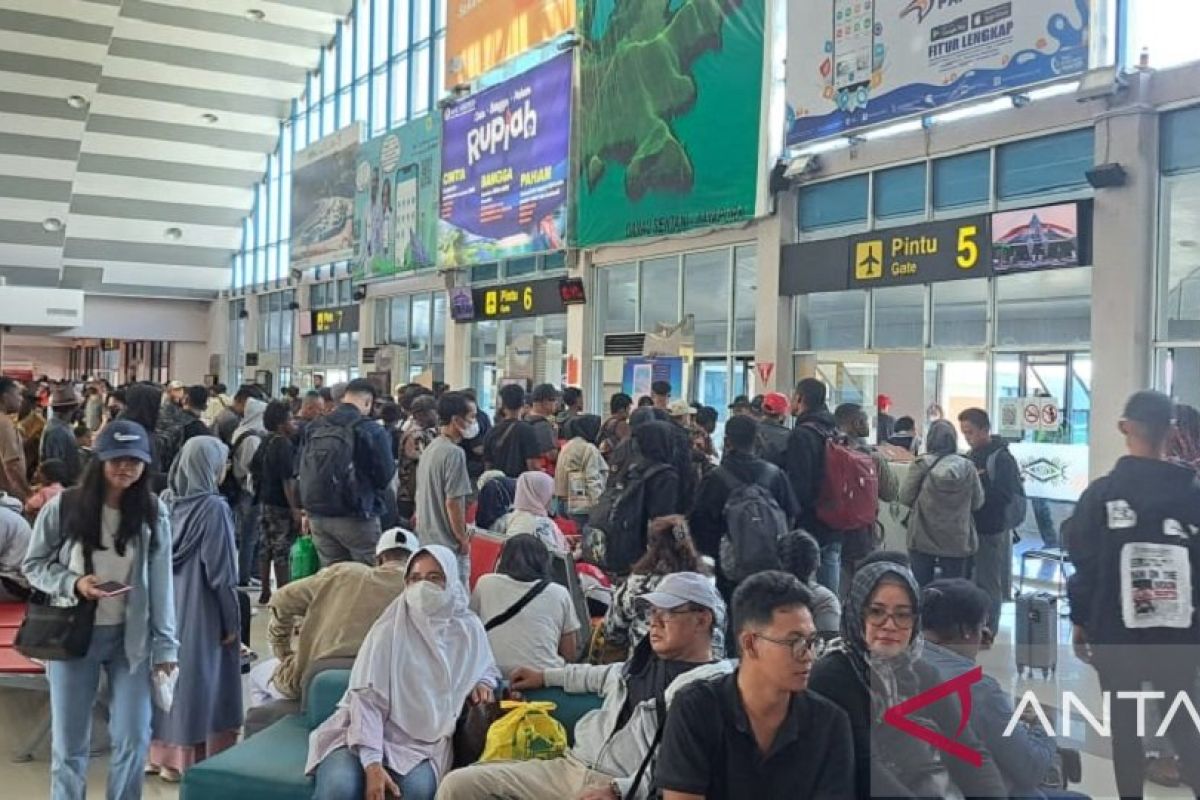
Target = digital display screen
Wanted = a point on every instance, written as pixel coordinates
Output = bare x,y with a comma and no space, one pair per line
1035,238
571,291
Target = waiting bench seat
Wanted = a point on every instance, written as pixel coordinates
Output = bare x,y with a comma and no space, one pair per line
270,766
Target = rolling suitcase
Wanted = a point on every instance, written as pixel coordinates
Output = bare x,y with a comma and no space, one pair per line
1036,635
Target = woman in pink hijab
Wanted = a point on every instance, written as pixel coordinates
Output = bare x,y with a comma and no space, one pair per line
531,512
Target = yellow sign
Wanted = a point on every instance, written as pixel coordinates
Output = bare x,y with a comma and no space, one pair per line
868,260
482,34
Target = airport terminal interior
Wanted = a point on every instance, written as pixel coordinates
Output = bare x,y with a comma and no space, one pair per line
923,209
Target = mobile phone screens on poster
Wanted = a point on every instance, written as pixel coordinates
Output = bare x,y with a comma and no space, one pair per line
1035,238
462,304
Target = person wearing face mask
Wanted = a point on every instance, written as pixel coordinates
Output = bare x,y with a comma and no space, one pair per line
877,666
424,658
344,471
444,483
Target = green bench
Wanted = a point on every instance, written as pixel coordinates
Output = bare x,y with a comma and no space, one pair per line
270,765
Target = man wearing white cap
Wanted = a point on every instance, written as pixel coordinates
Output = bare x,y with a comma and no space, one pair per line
615,746
338,606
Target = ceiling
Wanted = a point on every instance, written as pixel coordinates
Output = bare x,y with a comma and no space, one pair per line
143,126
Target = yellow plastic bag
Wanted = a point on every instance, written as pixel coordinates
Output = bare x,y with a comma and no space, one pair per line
525,732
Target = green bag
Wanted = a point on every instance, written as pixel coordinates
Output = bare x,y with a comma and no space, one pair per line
304,558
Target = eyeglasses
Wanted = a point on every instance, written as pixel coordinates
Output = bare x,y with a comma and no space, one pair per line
655,615
801,646
903,618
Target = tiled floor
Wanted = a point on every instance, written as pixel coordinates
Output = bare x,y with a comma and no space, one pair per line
18,710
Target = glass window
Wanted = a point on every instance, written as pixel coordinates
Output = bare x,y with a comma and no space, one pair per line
345,108
400,89
422,312
379,27
301,131
328,73
962,180
1044,308
423,19
1179,374
1179,313
554,326
833,203
900,191
345,349
344,292
960,313
660,292
420,89
1046,164
706,297
1180,146
520,266
831,320
398,322
379,91
745,288
400,27
485,272
899,320
345,43
483,339
439,326
362,38
554,261
616,300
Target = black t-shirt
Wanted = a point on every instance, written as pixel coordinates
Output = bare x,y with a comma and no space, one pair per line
278,466
709,748
649,682
507,448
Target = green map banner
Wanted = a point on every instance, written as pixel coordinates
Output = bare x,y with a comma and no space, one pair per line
396,202
668,116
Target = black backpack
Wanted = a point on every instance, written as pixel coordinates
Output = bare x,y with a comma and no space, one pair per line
1014,512
231,487
754,523
328,480
616,531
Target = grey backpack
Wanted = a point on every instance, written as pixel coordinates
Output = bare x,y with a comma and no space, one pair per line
754,523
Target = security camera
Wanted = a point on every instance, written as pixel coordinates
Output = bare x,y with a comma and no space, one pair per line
801,166
1101,83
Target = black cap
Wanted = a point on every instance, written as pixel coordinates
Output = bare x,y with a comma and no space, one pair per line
739,402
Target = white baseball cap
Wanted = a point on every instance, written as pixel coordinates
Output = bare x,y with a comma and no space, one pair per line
679,588
394,538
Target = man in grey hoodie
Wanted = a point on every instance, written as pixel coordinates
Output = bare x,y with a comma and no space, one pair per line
614,745
943,490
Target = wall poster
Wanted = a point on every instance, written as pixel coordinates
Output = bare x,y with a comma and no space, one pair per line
323,228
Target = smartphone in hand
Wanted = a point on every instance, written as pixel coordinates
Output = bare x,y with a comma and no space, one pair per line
112,588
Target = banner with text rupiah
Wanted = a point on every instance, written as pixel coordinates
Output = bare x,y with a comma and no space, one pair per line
482,34
323,228
504,168
863,62
397,199
669,106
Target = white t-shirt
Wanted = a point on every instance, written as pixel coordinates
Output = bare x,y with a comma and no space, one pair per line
530,639
108,566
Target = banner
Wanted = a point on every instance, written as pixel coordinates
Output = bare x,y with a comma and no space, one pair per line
323,227
504,168
670,97
863,62
482,34
397,199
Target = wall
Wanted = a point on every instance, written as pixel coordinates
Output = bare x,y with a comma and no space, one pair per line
141,318
47,356
189,362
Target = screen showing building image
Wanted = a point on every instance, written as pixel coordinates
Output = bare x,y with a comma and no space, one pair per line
1035,238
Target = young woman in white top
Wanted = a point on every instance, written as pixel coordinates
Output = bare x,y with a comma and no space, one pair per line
581,471
531,511
543,634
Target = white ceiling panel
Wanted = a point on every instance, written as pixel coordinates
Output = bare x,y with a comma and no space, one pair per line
138,158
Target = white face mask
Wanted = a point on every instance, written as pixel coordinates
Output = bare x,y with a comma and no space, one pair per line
428,597
472,430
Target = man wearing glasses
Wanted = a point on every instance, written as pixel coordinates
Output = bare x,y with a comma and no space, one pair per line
759,729
615,746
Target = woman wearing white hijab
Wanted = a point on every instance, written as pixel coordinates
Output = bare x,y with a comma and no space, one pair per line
425,656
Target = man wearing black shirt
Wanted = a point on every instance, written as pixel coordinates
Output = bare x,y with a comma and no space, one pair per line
543,401
759,730
276,481
511,446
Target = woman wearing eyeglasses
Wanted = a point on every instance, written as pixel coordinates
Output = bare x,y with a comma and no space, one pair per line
878,666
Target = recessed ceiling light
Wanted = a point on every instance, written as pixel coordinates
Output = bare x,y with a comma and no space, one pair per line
1189,243
77,101
173,233
256,14
52,224
211,119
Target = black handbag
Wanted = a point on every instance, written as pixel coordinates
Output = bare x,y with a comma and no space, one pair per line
57,633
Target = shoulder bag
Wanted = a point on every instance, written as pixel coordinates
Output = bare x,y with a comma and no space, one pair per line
510,612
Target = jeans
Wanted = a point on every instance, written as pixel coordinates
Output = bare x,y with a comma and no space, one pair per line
829,574
923,565
345,539
246,528
993,572
341,776
73,686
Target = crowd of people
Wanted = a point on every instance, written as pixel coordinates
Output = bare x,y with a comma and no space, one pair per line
749,629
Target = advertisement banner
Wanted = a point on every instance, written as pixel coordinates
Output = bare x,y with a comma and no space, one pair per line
323,227
482,34
505,154
670,97
397,199
863,62
1052,471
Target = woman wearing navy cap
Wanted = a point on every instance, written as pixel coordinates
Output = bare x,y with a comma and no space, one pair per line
111,529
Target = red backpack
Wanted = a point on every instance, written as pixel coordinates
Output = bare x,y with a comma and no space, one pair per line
849,496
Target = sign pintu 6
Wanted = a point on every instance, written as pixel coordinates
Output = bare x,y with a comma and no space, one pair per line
925,253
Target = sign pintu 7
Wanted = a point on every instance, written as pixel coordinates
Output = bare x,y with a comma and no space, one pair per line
925,253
